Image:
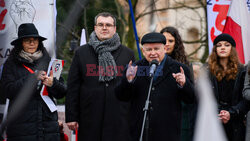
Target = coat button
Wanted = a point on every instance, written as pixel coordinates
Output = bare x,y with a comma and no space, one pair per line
153,88
107,84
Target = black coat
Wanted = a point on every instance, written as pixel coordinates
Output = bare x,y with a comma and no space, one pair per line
34,122
93,104
166,96
238,107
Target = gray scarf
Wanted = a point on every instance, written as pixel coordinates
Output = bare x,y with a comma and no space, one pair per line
107,66
31,57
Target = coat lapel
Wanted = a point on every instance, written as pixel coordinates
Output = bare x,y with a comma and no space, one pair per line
117,53
166,70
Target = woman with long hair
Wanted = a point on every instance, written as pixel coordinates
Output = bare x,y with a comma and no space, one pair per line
227,78
174,44
175,49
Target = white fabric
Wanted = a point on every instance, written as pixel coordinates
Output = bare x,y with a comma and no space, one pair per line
208,127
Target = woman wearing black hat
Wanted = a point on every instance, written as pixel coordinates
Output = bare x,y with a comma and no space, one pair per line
27,65
227,77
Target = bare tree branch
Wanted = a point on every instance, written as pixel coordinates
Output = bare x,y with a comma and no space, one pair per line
71,19
195,51
161,9
121,19
69,30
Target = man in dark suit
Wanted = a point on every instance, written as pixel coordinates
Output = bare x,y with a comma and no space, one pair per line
97,66
171,85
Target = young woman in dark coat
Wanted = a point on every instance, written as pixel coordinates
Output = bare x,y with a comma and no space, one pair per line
28,62
227,78
175,49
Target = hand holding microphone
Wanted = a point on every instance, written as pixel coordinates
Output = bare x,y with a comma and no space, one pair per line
44,79
40,76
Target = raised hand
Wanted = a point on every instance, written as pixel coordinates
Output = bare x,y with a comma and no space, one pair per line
131,72
180,77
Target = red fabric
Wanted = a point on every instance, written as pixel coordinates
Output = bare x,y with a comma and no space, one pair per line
232,28
29,69
65,137
62,63
76,135
45,91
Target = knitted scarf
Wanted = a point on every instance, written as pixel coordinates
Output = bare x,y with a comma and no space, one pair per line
107,66
31,57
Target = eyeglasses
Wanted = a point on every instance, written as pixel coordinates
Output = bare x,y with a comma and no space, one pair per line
30,40
101,25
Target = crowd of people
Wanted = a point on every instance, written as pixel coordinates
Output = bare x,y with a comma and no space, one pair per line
107,88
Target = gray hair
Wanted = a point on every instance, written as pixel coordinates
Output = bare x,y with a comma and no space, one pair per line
105,14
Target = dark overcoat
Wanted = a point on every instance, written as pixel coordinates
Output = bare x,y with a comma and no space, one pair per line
238,107
93,104
166,97
34,122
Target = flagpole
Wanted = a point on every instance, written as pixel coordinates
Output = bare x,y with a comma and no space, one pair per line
134,27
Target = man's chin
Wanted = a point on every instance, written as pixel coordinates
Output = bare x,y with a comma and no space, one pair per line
151,59
104,38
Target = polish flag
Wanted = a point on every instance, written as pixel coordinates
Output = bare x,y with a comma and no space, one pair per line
237,26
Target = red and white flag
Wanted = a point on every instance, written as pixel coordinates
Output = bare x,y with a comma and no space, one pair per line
237,25
216,17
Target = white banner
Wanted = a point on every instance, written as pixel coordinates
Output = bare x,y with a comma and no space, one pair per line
216,17
15,12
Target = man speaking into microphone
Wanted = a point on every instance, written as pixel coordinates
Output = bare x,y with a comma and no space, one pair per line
171,85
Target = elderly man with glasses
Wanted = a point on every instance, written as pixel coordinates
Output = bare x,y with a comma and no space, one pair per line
171,85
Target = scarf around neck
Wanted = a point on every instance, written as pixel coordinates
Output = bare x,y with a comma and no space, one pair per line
107,66
31,57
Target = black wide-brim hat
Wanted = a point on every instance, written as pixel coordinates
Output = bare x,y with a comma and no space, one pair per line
26,30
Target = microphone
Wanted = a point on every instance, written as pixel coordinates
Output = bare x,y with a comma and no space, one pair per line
153,64
39,83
